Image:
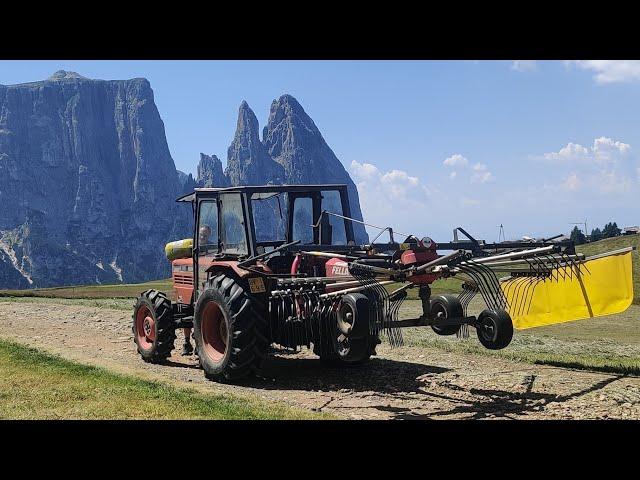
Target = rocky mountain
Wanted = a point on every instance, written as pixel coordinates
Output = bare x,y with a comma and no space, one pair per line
292,151
87,183
210,172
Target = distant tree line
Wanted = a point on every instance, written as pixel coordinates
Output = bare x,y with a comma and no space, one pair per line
610,230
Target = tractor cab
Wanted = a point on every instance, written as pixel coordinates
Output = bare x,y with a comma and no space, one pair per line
237,223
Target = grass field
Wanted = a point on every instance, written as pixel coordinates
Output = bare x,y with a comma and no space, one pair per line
126,290
35,385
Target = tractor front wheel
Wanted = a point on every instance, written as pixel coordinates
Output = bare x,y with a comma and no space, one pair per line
153,330
494,329
230,330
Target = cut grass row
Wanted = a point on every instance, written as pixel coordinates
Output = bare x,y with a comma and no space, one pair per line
36,385
521,350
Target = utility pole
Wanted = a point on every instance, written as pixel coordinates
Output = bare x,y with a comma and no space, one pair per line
586,234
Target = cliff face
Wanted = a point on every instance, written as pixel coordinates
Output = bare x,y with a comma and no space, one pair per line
88,183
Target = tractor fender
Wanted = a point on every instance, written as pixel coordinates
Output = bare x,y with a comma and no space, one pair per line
232,265
227,265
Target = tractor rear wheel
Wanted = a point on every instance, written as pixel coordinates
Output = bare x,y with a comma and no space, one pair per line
494,329
153,330
230,329
446,306
353,344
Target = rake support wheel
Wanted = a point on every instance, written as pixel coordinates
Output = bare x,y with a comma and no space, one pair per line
446,306
494,329
353,344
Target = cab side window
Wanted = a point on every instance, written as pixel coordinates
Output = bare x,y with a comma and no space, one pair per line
234,239
208,227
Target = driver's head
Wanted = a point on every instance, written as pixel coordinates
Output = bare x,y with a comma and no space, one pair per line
204,234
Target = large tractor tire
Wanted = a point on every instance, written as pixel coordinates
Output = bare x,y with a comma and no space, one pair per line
351,344
153,330
230,329
446,306
494,329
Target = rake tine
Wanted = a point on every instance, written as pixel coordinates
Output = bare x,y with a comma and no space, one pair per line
485,291
519,284
537,281
530,282
493,286
555,265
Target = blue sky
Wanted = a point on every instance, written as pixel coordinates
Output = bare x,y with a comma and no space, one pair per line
431,144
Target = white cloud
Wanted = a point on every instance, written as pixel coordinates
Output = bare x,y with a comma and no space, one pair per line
611,71
481,174
391,198
571,152
456,160
604,151
397,183
364,170
524,65
605,167
572,182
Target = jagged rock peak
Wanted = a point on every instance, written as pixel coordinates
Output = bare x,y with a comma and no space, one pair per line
293,140
248,162
247,126
288,110
65,75
210,172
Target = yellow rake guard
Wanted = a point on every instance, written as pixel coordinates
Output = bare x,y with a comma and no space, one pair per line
602,285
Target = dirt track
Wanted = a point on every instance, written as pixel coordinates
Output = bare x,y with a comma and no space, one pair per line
406,383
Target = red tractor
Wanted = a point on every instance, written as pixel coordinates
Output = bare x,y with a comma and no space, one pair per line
280,265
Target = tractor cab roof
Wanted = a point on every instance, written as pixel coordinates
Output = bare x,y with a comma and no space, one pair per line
274,189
